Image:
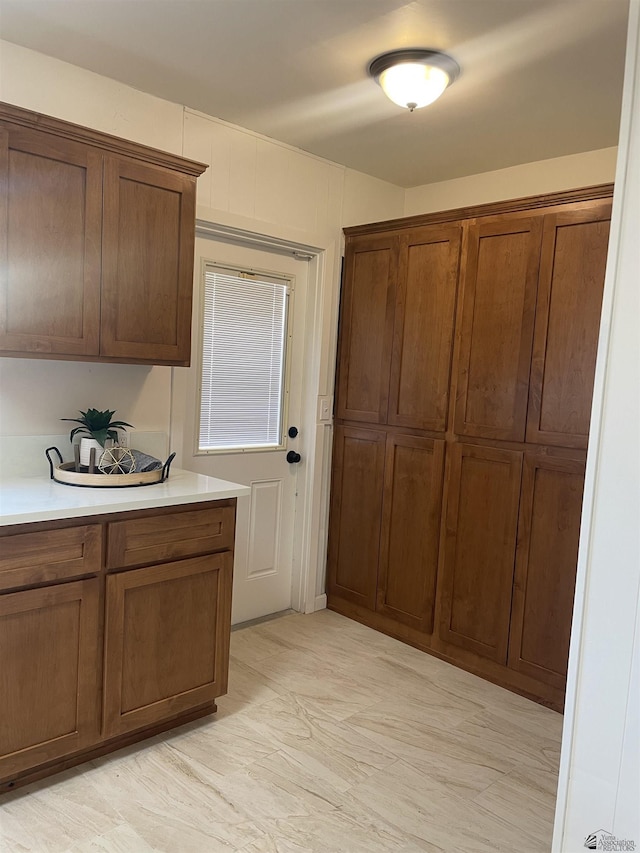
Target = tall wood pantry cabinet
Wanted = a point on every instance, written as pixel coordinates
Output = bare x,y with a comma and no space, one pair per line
466,360
96,244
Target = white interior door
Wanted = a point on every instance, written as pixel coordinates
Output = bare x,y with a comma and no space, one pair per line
265,528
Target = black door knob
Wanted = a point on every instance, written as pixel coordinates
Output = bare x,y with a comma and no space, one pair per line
292,456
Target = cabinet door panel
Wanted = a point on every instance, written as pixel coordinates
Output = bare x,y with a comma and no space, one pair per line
547,555
479,556
410,530
49,673
148,239
166,640
366,327
500,271
574,255
50,244
423,333
356,508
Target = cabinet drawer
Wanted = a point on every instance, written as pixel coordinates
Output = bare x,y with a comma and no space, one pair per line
159,538
27,559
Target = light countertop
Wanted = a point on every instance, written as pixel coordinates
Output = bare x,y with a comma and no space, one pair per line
38,498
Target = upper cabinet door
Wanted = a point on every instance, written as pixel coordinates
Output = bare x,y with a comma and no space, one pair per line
423,329
572,268
148,239
50,220
366,328
499,273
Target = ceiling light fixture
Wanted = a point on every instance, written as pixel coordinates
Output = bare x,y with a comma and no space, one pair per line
414,78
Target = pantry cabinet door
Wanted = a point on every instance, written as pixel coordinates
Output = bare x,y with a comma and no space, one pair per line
500,275
147,285
366,328
410,530
547,555
572,269
49,673
50,244
356,509
166,641
480,546
423,327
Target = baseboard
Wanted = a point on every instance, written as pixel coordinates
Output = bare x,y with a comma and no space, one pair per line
320,602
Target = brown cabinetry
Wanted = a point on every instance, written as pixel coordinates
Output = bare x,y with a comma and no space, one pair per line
468,336
95,654
96,244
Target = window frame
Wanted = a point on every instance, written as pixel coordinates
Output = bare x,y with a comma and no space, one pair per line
270,276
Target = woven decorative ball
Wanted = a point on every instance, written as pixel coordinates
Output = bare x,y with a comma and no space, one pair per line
117,460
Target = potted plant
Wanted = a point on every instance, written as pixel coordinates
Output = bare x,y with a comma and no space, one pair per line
96,428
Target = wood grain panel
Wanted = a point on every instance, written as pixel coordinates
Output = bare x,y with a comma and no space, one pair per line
48,674
148,240
50,244
28,559
410,530
356,509
549,529
423,330
366,328
166,640
160,538
500,271
479,552
574,255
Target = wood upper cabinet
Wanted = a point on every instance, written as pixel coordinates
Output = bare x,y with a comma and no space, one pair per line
96,244
148,239
166,640
356,511
477,572
50,255
366,328
547,554
500,274
49,670
423,327
574,255
410,530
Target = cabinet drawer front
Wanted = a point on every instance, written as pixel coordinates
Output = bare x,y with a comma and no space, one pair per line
159,538
28,559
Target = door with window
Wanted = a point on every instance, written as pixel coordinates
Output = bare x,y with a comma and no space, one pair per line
237,408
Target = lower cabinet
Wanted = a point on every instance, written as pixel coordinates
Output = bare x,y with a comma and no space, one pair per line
473,560
479,548
166,640
385,522
111,630
545,569
49,668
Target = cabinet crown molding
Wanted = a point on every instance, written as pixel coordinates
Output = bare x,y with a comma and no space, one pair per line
533,203
98,139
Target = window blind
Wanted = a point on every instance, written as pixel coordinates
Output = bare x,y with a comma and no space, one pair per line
243,361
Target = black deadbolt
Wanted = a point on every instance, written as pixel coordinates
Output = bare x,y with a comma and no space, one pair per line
293,431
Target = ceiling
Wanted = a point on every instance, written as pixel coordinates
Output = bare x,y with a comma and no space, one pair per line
540,78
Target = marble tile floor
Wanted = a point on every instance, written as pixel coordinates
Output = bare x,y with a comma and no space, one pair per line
333,739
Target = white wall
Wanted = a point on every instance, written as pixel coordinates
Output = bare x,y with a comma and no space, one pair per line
599,786
543,176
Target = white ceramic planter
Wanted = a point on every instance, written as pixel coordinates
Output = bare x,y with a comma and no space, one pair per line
86,444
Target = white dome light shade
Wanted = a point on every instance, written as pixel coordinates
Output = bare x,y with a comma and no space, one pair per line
414,78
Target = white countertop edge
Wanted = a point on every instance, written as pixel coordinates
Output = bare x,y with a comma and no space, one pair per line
26,500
